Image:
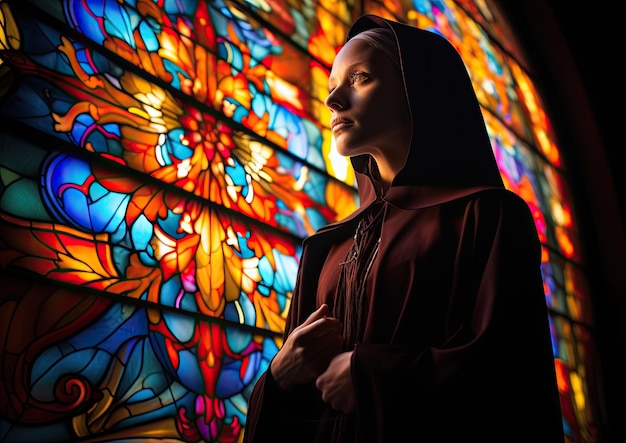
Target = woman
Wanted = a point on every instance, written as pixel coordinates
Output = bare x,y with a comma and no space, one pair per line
421,316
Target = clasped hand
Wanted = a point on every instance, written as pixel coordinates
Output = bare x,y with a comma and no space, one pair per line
313,352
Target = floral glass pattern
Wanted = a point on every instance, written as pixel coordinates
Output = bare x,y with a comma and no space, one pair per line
161,162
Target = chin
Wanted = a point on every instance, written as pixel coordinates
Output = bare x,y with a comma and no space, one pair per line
347,151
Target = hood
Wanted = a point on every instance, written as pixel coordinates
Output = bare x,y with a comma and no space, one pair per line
450,153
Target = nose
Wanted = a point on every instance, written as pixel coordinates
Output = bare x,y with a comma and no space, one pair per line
334,102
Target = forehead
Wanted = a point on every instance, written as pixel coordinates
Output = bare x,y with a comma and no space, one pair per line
355,52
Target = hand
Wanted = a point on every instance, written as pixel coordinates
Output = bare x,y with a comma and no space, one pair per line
336,385
307,350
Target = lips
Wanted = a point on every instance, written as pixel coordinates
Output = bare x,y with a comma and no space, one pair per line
338,123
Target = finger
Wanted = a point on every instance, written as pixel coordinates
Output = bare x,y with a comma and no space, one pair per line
320,312
320,331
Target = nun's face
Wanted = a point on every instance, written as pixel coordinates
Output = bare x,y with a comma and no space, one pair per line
370,113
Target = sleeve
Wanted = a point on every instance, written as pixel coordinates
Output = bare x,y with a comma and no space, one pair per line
492,378
282,417
274,416
260,420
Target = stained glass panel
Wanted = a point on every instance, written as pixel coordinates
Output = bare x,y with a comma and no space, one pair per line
160,164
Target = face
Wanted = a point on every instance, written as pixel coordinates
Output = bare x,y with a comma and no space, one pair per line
370,113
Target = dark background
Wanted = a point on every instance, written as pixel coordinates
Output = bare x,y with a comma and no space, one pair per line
574,54
595,38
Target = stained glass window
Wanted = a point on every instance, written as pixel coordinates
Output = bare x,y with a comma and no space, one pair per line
161,162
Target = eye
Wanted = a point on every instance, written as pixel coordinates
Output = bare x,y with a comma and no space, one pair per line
358,76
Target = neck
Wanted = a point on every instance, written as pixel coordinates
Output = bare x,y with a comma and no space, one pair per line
386,174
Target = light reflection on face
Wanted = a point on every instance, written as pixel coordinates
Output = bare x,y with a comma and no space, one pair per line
370,113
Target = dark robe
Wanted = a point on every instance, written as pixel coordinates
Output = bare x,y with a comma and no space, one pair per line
455,345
